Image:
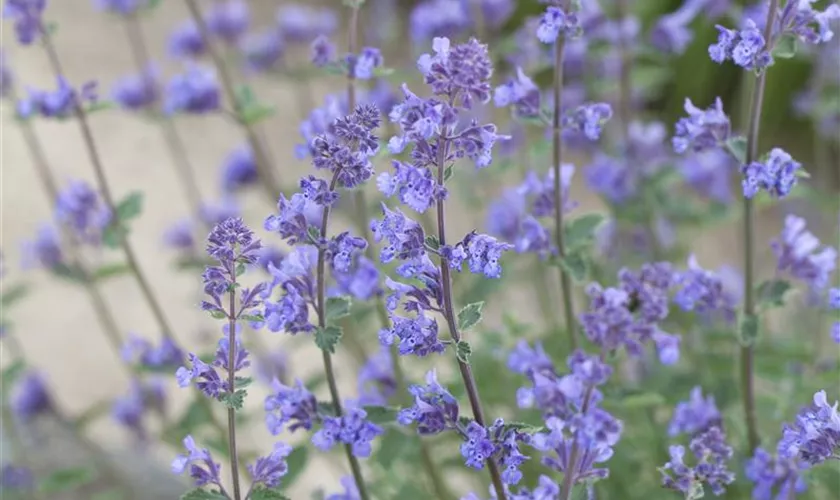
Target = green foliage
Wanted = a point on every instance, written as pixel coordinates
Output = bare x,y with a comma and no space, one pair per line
72,274
127,209
67,479
202,494
470,315
785,47
267,494
463,350
580,232
748,329
234,400
737,147
249,110
11,373
773,293
576,264
108,271
337,308
381,414
327,338
12,294
297,461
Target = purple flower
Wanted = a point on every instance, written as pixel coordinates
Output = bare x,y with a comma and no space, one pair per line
460,73
26,15
834,303
482,253
206,378
703,291
521,93
769,474
343,248
434,409
404,236
712,454
270,469
434,18
59,103
797,251
672,32
695,416
262,51
292,407
702,129
376,380
270,366
138,350
302,23
417,336
352,429
7,79
347,153
203,470
588,118
29,397
181,236
79,207
477,447
523,359
296,280
809,25
123,7
414,186
322,52
239,169
746,48
709,173
363,65
186,41
351,490
128,410
140,91
556,22
44,250
776,175
196,91
814,436
228,20
16,479
224,209
361,281
292,221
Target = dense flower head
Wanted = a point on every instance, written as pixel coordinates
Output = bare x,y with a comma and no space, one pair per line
481,251
460,73
746,48
138,91
521,93
239,169
347,153
195,91
417,336
186,41
712,454
270,469
128,410
202,468
262,50
362,66
228,20
296,280
702,129
342,250
29,397
776,175
404,236
557,21
588,119
702,291
297,214
140,351
497,443
322,52
414,186
290,407
59,103
80,207
774,477
44,250
694,416
477,446
352,429
814,436
26,15
303,23
232,241
434,409
798,252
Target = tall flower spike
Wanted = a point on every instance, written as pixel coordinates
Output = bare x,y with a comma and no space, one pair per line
798,252
702,129
694,416
712,454
203,470
746,48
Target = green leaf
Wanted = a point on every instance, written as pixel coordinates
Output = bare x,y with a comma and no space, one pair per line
296,462
235,400
338,307
327,338
11,373
643,400
463,350
252,317
256,113
13,294
523,427
245,96
97,106
432,242
74,274
240,269
242,382
447,173
113,235
111,271
748,329
580,232
67,479
216,314
470,315
112,494
130,207
772,293
266,494
737,147
785,47
381,414
393,446
200,494
576,265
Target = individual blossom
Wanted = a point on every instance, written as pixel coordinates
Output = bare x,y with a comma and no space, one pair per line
588,119
834,303
195,91
26,16
186,41
44,250
322,52
290,407
555,22
29,397
777,175
128,410
521,93
139,91
302,23
416,336
342,249
694,416
239,169
746,48
352,429
59,103
270,469
774,477
434,409
362,66
814,436
263,50
228,20
672,33
702,291
702,129
361,281
141,352
203,470
481,252
80,207
798,252
498,443
712,454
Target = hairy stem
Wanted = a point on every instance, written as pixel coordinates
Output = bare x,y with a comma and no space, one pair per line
451,321
231,412
328,364
747,351
557,160
264,166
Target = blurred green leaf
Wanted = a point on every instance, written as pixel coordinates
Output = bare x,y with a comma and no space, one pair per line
463,350
200,494
748,329
785,47
13,294
67,479
296,461
110,271
338,307
737,147
580,231
130,207
576,265
261,493
773,293
381,414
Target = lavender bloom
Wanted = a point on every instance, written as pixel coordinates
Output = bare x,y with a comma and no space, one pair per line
29,397
477,446
206,378
703,291
26,15
702,129
712,453
270,366
776,175
322,52
228,20
128,410
376,380
460,73
482,253
361,281
797,252
239,169
203,470
302,23
363,65
262,51
186,41
7,80
196,91
746,48
404,236
181,236
414,186
352,428
434,410
523,359
417,336
521,93
232,244
494,443
60,103
139,351
814,437
44,250
135,92
672,33
769,474
809,25
556,22
270,469
695,416
588,118
292,407
79,207
595,433
347,153
351,490
296,280
834,303
434,18
709,173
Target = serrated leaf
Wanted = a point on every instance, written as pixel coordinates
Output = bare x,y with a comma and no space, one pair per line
771,293
243,382
13,294
338,307
200,494
327,338
381,414
296,462
470,315
252,317
580,232
130,207
748,329
463,350
111,271
235,400
447,173
737,147
67,479
576,265
266,494
785,47
432,242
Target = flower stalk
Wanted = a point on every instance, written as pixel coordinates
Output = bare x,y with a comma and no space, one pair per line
231,412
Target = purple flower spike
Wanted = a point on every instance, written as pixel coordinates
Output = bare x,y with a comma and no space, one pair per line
196,91
460,73
322,52
136,92
203,470
746,48
290,407
269,470
79,207
557,22
814,436
521,93
352,428
186,42
694,416
774,477
588,119
776,175
798,252
712,454
434,410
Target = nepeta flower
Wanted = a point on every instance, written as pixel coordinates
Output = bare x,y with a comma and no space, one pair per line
186,41
139,91
476,447
595,433
363,65
322,52
122,7
228,20
128,410
797,251
672,32
834,303
417,336
376,380
206,378
808,24
482,253
497,443
196,91
360,281
26,14
434,410
709,173
270,366
695,416
270,469
232,244
774,474
44,250
302,23
292,407
712,453
460,73
79,207
404,236
703,291
263,50
521,93
239,169
59,103
434,18
297,282
558,22
702,129
140,351
203,470
16,479
414,186
29,397
351,490
746,48
814,437
180,236
588,118
352,429
347,153
776,175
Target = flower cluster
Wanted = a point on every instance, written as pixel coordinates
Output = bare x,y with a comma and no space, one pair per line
194,91
79,207
558,21
712,454
139,351
798,252
139,91
434,409
746,48
695,416
352,429
29,397
702,290
777,175
26,15
702,129
59,103
142,397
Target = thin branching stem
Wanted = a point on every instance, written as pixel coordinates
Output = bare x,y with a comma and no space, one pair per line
231,411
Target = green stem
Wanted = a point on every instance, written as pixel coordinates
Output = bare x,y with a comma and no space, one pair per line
231,411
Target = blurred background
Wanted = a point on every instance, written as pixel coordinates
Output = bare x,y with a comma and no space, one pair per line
55,325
